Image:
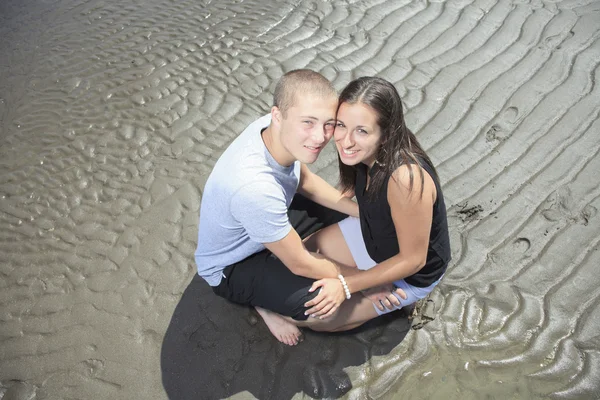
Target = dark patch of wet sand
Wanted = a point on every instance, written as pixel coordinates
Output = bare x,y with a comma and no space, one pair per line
215,349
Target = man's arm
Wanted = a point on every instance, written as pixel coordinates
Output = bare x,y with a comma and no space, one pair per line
291,251
318,190
262,212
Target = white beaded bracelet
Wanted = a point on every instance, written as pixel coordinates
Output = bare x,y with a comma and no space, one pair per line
345,286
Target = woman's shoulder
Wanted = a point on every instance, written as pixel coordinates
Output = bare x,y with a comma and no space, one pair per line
418,164
406,179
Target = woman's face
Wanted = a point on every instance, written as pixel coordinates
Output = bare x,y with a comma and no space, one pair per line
357,134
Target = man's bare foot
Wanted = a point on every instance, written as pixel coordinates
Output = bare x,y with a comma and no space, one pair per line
282,329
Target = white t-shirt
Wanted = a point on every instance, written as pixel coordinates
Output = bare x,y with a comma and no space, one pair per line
244,204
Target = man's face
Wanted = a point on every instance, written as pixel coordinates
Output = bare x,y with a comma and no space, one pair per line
308,126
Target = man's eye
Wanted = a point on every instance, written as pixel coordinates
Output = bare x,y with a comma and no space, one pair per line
339,125
307,122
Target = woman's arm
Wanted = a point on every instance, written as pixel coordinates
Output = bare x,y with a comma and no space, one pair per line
412,215
318,190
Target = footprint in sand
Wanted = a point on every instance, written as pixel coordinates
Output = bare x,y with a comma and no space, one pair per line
587,213
558,205
521,245
511,115
503,127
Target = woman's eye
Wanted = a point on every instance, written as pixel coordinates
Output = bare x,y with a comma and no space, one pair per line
307,122
362,131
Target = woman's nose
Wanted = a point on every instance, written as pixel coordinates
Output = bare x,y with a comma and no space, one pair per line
346,141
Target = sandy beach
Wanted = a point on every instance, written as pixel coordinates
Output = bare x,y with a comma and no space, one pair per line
112,115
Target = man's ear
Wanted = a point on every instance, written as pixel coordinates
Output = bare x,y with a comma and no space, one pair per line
276,115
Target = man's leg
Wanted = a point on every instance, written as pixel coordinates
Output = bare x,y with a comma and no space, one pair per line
283,328
312,222
308,217
264,282
331,243
280,300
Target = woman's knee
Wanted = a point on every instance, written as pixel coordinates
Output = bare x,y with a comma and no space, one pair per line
330,243
311,243
323,325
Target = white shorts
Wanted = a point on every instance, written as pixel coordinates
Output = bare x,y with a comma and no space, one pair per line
350,228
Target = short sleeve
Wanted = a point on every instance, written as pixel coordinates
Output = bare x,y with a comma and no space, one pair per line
261,209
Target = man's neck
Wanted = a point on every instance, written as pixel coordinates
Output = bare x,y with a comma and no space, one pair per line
274,147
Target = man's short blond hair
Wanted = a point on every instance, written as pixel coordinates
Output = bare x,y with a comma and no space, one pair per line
300,81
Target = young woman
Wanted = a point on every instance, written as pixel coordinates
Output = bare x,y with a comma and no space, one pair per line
400,243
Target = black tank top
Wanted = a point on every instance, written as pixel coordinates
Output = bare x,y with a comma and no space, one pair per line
379,233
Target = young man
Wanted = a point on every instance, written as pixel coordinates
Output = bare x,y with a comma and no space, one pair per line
249,249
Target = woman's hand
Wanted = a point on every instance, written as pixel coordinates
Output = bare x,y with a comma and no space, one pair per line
383,296
328,300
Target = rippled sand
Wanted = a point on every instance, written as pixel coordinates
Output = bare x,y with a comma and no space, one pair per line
112,115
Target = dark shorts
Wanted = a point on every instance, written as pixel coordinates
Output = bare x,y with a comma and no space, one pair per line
263,280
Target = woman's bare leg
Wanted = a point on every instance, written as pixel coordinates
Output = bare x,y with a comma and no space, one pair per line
351,314
330,243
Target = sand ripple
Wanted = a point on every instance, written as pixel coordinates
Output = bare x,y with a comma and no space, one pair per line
112,116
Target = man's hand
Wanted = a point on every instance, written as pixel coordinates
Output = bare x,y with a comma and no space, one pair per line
383,296
328,300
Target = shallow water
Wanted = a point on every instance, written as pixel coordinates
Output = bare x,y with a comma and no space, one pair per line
112,116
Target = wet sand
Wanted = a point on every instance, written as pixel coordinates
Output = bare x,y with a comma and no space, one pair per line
112,115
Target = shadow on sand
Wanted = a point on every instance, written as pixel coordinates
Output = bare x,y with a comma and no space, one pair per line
214,349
